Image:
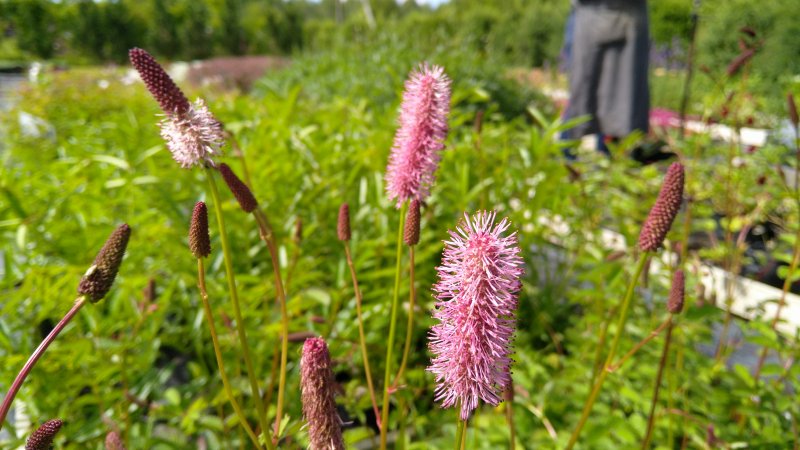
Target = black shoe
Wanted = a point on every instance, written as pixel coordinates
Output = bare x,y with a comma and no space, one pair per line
651,152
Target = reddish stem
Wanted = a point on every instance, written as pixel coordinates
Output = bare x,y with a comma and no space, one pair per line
26,369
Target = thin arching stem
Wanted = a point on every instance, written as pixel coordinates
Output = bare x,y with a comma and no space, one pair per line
641,344
392,330
229,275
26,369
623,318
361,337
265,231
661,366
201,282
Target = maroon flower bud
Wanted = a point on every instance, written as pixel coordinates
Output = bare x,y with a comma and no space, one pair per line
411,231
240,190
42,438
676,293
740,61
665,209
316,392
199,242
792,109
343,224
158,82
298,231
114,442
97,281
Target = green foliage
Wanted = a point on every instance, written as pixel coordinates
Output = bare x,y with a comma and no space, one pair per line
318,134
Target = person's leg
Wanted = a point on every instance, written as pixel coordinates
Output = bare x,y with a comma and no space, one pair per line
584,73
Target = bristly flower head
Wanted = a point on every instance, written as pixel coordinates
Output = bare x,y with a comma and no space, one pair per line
114,442
677,293
316,391
42,438
420,136
192,133
477,291
193,137
663,213
97,281
343,224
411,230
199,241
247,201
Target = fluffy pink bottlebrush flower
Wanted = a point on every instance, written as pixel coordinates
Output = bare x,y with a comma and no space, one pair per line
316,393
192,133
420,136
193,137
477,291
663,212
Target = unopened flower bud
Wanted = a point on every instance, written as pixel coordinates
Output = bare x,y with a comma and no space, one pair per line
199,242
97,281
663,213
42,438
676,293
343,224
240,190
158,82
411,231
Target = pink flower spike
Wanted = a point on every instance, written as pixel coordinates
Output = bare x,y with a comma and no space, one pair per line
420,136
477,291
194,136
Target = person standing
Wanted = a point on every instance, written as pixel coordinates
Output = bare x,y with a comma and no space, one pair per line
608,75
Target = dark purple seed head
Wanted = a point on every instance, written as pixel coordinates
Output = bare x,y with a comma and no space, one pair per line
97,281
159,83
343,224
663,213
199,242
42,438
240,190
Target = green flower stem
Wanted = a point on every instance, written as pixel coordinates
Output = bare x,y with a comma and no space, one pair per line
226,251
392,329
651,419
641,344
361,336
410,323
201,281
623,318
461,431
26,369
265,231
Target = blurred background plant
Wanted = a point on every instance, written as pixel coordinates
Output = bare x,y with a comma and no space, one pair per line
317,133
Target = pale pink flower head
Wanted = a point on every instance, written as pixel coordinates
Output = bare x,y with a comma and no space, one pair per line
316,394
192,133
420,136
477,291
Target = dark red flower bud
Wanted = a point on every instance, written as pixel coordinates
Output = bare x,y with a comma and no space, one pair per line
158,82
298,231
316,392
42,438
663,213
792,109
343,224
199,242
740,61
676,293
97,281
114,442
240,190
411,231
